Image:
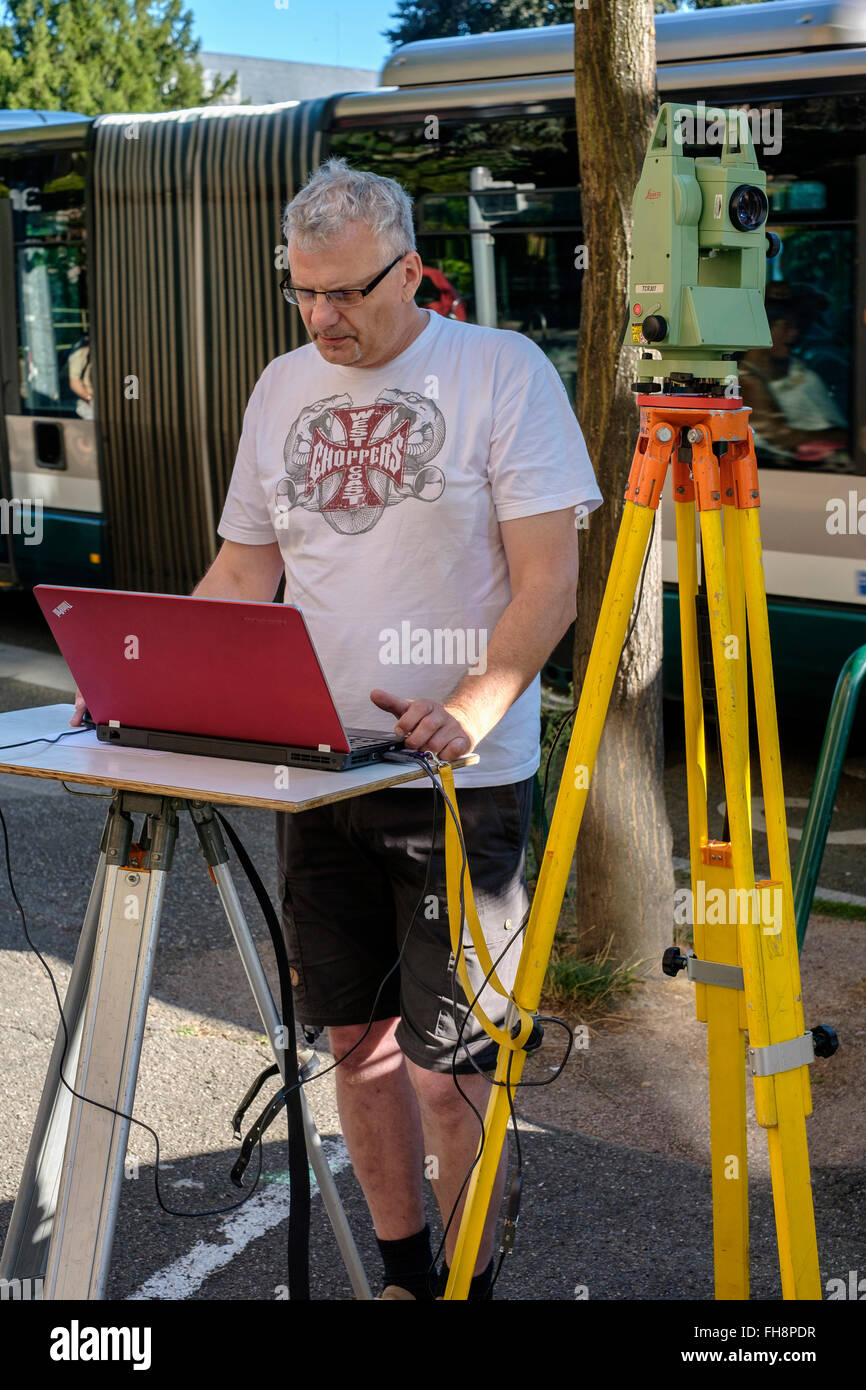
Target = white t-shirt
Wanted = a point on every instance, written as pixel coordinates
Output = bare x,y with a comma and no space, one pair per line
385,487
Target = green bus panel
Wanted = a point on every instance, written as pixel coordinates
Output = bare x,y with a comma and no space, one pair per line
64,555
810,645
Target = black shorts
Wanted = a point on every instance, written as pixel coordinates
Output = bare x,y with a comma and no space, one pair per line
353,886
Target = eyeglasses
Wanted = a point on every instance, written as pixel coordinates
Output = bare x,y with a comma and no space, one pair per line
339,298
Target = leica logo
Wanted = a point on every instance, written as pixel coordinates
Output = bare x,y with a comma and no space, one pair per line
61,608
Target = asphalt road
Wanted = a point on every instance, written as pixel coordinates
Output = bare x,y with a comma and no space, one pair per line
603,1215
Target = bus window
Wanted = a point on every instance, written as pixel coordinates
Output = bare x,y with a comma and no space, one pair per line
522,268
47,197
537,147
799,388
497,211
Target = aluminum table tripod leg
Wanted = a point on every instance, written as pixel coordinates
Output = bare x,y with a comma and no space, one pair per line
25,1251
272,1025
80,1251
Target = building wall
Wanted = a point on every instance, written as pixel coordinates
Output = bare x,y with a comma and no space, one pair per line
263,80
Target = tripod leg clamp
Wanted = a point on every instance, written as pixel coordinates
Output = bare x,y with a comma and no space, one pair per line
702,972
710,972
782,1056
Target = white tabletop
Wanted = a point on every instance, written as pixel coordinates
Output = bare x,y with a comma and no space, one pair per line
82,758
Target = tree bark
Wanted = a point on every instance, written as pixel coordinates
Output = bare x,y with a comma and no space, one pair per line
625,880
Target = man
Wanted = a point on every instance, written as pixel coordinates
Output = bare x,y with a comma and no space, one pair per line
416,479
81,378
794,417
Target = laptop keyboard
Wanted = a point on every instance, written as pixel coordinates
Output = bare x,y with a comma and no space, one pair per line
364,738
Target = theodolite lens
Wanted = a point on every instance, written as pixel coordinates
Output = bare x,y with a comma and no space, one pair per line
748,207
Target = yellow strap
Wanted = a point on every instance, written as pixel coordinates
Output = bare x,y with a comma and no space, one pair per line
453,869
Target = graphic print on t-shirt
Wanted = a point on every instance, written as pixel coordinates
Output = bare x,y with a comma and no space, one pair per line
350,462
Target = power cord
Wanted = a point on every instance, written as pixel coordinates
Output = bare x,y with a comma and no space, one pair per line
67,733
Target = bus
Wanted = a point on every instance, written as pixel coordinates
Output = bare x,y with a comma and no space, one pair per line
140,258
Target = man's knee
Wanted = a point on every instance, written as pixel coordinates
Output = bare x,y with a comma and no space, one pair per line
438,1094
365,1052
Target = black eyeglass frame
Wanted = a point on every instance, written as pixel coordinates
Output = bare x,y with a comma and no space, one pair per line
286,286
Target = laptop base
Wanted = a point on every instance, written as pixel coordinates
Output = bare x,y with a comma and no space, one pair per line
372,746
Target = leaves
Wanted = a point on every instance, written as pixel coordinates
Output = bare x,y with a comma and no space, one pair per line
442,19
97,56
438,19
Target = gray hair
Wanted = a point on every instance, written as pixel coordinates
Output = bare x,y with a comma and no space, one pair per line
335,194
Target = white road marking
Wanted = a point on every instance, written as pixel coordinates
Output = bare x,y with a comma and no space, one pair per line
799,803
255,1218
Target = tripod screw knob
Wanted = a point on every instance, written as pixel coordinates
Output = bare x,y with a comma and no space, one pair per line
655,328
825,1040
673,961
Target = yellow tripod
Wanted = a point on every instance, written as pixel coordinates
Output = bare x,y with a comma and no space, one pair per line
745,965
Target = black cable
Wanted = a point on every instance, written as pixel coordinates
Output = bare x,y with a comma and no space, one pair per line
462,1028
288,1090
647,553
67,733
460,1041
385,978
512,1211
299,1171
557,1071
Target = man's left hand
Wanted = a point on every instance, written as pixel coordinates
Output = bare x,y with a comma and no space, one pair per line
445,730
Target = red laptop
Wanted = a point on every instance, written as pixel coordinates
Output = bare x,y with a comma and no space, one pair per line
218,677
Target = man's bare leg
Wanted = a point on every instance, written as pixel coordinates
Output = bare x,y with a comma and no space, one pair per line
393,1114
451,1135
382,1127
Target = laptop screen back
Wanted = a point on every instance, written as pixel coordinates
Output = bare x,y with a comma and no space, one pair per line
221,667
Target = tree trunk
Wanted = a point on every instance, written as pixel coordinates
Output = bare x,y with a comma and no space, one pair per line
625,880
